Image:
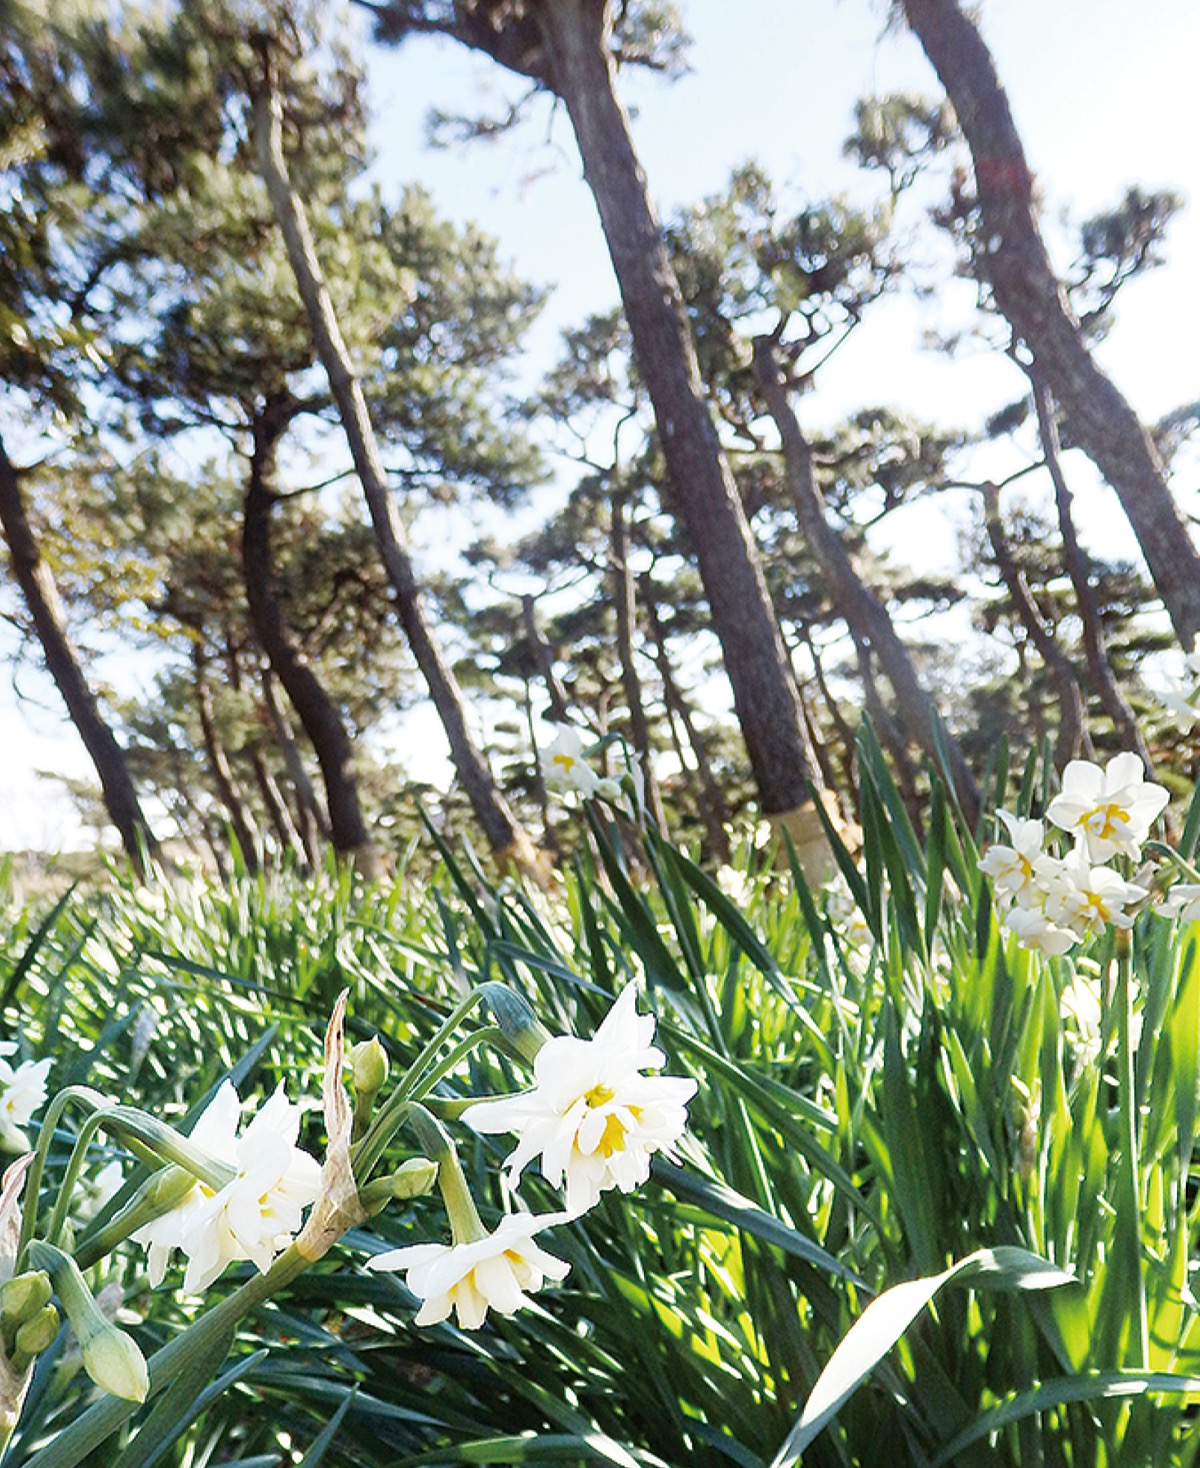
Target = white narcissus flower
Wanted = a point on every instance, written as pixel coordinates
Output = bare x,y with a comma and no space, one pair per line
1182,901
1109,811
254,1216
1033,929
593,1118
1086,899
22,1088
1014,868
1177,703
498,1272
564,768
1080,1005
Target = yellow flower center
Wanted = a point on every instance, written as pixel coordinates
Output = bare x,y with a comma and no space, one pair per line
566,760
599,1095
1107,821
612,1138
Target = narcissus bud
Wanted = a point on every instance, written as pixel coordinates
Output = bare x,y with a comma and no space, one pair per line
110,1357
515,1017
38,1334
368,1062
23,1296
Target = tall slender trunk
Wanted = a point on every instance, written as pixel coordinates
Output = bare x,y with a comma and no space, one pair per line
312,821
1079,569
891,736
316,711
576,35
543,656
713,807
282,823
845,733
865,614
1072,722
504,832
38,587
1014,261
625,602
218,760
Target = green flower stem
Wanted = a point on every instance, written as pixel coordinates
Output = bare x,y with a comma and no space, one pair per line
412,1076
148,1138
435,1142
33,1181
367,1151
157,1195
106,1416
489,1036
1129,1207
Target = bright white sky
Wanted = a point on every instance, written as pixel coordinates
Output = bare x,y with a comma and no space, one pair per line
1104,95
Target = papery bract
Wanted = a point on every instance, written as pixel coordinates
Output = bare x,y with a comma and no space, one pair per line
593,1117
498,1272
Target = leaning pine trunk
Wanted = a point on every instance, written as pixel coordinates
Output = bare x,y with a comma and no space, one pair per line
37,584
218,759
865,614
625,602
1072,718
1076,560
507,837
1014,261
316,711
576,34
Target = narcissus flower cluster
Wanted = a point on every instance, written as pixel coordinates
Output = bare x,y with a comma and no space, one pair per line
594,1118
1051,903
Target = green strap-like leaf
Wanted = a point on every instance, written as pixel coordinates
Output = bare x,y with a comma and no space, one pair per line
1087,1387
886,1319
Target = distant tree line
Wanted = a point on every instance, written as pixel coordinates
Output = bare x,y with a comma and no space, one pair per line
236,373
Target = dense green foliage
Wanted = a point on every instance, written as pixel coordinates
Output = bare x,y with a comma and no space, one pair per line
881,1095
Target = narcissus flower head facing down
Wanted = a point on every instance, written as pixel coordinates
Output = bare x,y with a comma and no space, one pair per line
1109,811
593,1117
253,1216
497,1272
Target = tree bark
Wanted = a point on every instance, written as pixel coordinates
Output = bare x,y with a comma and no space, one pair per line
865,614
581,69
891,736
625,603
286,831
38,587
1072,724
218,761
504,833
1079,569
316,711
1014,261
845,733
544,657
313,823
